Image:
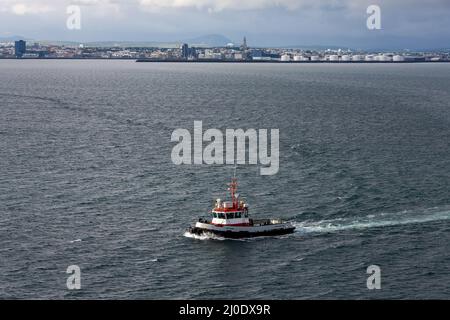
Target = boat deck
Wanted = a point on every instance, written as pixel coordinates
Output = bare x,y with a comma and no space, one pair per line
253,222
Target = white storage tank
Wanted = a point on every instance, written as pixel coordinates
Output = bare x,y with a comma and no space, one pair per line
382,58
300,58
315,58
334,57
398,58
357,57
285,58
369,57
346,57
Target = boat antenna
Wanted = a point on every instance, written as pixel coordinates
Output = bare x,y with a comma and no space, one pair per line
233,187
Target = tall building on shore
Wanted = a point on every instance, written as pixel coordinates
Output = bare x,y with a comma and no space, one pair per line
244,49
20,48
184,51
244,44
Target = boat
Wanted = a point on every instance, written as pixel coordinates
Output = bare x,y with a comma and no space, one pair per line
230,219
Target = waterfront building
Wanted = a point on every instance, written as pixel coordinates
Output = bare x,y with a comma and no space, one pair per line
184,50
20,48
238,56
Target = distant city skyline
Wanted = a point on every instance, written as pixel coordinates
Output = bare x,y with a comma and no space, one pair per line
406,24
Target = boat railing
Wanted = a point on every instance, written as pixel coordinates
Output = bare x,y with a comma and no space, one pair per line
276,221
266,222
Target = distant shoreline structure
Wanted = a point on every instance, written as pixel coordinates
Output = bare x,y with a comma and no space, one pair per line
231,61
284,62
228,54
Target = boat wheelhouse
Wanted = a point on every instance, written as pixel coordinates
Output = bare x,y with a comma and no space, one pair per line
230,213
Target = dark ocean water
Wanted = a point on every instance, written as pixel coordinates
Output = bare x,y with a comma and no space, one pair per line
86,178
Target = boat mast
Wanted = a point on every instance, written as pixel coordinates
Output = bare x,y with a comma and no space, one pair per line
233,188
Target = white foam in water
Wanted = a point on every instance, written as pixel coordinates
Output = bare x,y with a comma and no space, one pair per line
340,224
373,221
203,236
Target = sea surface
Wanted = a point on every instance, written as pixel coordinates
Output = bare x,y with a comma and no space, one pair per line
86,179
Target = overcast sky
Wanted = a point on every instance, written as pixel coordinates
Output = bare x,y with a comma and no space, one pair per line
405,23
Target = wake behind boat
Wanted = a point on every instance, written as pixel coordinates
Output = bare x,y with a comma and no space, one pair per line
230,219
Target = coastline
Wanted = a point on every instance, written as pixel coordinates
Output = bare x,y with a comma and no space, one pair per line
233,61
280,62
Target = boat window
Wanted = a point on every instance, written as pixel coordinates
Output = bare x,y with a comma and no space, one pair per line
230,215
214,214
238,214
221,215
246,214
